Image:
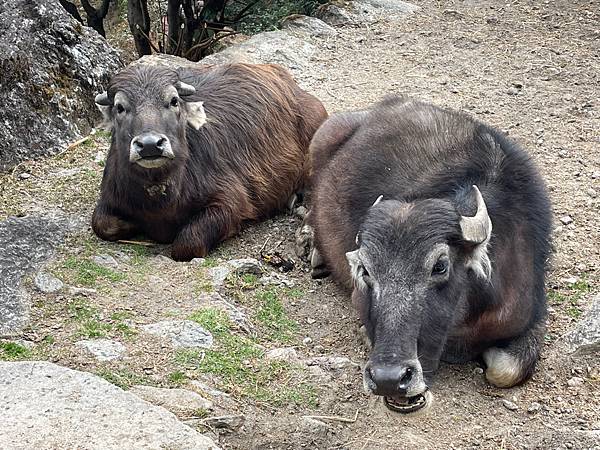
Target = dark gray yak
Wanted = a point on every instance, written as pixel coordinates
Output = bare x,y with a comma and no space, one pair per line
440,226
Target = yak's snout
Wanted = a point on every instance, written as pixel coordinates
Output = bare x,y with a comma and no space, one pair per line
401,384
150,150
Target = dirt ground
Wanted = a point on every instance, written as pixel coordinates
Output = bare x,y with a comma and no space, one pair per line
530,68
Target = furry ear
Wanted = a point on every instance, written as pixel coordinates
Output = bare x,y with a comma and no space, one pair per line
196,117
104,105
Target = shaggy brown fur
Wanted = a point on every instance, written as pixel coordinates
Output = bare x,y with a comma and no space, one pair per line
243,164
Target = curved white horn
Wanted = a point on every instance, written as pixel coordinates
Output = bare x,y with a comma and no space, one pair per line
477,229
102,99
184,89
378,200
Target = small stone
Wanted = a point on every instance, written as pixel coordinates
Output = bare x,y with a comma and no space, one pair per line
310,321
509,405
47,283
105,261
575,381
178,401
103,349
162,259
182,333
197,261
277,279
512,91
534,407
85,292
478,371
595,175
592,193
566,220
283,354
219,274
307,341
246,265
100,157
24,176
230,422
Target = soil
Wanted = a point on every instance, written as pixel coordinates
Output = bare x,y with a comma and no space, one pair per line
530,68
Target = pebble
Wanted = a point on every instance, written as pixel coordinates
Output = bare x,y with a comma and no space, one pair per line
307,341
103,349
182,333
230,422
478,371
575,381
509,405
566,220
534,407
47,283
246,265
105,261
197,261
283,354
24,175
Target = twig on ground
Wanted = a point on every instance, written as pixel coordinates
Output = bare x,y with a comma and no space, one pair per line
334,418
144,243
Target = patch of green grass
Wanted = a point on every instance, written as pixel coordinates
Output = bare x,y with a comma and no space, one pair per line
570,297
267,15
79,309
240,364
120,323
85,272
210,262
122,377
177,378
275,323
94,329
12,351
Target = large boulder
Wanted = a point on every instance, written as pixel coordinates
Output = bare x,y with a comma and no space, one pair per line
45,406
51,67
25,244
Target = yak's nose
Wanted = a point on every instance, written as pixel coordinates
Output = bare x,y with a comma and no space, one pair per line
391,379
150,145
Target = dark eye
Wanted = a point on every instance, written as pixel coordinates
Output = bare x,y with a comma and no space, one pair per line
174,102
440,267
120,108
367,278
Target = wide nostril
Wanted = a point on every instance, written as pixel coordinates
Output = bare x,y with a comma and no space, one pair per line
406,378
138,144
161,142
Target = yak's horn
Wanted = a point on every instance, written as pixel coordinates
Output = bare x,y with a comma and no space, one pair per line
184,89
102,99
478,228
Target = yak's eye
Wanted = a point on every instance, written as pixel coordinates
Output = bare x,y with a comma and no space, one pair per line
120,108
174,102
367,278
440,267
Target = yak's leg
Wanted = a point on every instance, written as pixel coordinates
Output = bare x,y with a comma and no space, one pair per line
515,362
204,232
109,226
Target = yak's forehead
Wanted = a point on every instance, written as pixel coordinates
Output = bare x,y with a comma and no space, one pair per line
396,230
143,83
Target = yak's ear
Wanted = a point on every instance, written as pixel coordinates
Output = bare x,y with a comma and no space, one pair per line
196,117
104,105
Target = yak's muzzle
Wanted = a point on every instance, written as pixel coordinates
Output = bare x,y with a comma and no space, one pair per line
150,150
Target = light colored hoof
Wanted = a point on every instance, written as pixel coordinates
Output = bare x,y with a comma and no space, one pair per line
503,369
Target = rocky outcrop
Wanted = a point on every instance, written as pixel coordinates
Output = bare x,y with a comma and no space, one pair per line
51,67
25,243
46,406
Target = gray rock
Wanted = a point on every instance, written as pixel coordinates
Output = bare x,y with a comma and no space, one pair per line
305,236
105,261
181,333
46,406
103,349
287,354
300,25
575,381
197,261
509,405
230,422
585,337
219,274
334,15
277,47
46,283
178,401
26,243
385,7
534,407
51,67
566,220
245,265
